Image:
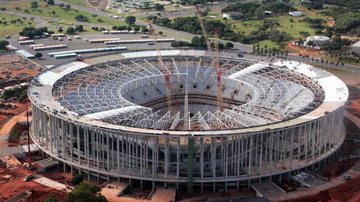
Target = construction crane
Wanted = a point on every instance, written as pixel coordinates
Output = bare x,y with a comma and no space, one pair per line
216,59
219,99
167,73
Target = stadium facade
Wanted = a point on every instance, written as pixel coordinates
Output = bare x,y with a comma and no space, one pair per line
112,119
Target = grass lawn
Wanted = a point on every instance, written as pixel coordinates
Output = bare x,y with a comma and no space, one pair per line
45,10
270,44
245,27
12,29
293,28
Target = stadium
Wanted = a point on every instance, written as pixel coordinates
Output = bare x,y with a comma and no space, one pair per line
130,119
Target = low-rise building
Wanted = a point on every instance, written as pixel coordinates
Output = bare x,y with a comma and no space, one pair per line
232,15
316,41
296,13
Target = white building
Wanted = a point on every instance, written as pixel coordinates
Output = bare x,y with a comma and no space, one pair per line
296,13
318,41
356,47
232,15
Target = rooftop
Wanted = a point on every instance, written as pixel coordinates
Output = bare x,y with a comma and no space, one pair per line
266,95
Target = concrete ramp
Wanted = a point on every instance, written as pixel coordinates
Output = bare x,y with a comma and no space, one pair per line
113,190
162,195
51,183
267,189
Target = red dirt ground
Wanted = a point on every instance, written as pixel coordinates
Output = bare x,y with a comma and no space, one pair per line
13,65
303,51
331,22
14,186
346,192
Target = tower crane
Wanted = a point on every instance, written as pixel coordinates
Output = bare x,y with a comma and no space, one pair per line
167,73
216,59
219,99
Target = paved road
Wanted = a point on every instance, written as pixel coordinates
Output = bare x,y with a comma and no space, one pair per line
5,133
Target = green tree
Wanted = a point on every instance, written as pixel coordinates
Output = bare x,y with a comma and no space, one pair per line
144,29
50,2
311,44
3,44
77,179
38,55
50,199
130,20
34,4
159,7
146,5
229,45
81,18
67,7
79,28
85,192
70,30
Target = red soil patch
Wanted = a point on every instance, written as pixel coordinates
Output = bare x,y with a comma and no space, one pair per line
14,69
331,22
17,184
303,51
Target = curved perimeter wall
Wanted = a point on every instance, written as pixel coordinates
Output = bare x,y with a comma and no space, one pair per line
165,158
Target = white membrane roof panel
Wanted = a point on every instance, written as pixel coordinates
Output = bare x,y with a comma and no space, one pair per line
335,90
150,53
51,76
249,69
113,112
298,67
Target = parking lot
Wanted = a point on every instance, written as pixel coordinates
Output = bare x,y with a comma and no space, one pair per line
83,43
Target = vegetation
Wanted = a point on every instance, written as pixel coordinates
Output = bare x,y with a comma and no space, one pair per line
85,192
315,23
337,43
34,4
268,51
256,10
344,3
159,7
72,30
348,22
192,25
81,18
3,44
50,199
130,20
31,32
318,4
50,2
77,179
62,12
38,55
19,94
199,42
